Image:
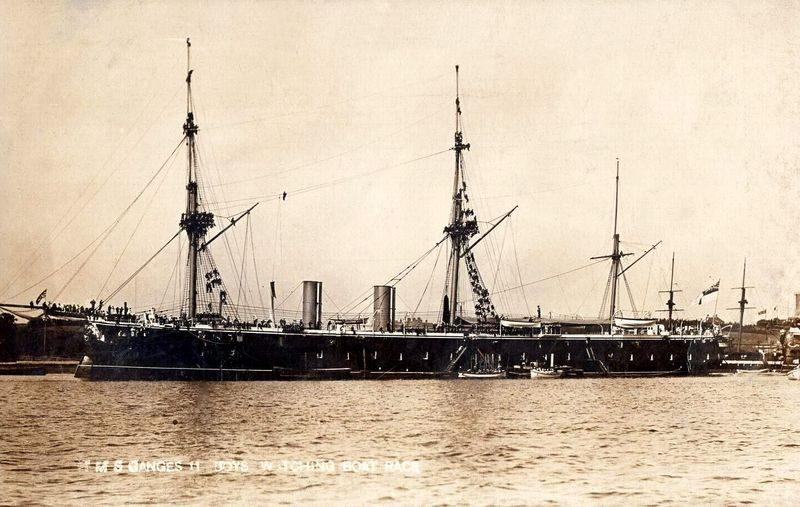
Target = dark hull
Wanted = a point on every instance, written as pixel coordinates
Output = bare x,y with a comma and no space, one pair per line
749,361
132,352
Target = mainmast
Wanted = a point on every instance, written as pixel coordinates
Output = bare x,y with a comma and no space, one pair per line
194,222
459,229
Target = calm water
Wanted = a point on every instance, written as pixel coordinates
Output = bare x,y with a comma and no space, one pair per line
712,440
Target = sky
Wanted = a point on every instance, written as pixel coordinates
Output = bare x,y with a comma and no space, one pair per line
349,108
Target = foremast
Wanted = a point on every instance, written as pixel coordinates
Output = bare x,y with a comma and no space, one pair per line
195,222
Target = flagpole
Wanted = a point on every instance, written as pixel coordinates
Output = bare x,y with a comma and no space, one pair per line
272,303
716,301
741,310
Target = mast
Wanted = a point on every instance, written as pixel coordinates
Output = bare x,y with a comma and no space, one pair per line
458,230
616,256
742,305
615,252
671,301
194,222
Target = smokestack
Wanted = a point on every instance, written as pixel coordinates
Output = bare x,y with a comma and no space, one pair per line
312,304
383,308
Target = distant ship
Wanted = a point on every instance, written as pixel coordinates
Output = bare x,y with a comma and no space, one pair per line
211,339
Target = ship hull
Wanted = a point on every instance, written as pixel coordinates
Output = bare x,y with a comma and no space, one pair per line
611,355
132,351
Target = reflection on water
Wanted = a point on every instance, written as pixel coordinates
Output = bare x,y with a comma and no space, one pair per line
712,440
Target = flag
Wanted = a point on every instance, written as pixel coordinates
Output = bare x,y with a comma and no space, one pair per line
763,312
708,292
272,288
41,296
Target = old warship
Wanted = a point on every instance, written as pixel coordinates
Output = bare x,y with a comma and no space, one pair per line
211,339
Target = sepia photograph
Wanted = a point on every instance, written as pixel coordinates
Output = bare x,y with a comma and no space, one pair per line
371,252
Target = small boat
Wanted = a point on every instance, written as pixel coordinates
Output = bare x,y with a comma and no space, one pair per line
751,372
482,375
794,374
633,323
519,371
543,373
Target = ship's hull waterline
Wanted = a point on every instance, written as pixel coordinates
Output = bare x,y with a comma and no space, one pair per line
135,352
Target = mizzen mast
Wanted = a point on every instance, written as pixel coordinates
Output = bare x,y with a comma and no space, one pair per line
616,258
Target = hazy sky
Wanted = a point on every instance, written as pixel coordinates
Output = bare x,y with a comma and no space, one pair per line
699,100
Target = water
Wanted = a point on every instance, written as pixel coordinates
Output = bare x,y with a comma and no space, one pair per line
707,440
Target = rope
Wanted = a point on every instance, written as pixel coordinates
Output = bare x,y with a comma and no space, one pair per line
241,270
414,264
499,260
38,252
326,159
143,266
605,294
255,268
630,294
337,181
519,271
130,238
169,281
351,306
278,242
404,272
436,262
331,300
550,277
588,294
647,285
105,232
290,294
